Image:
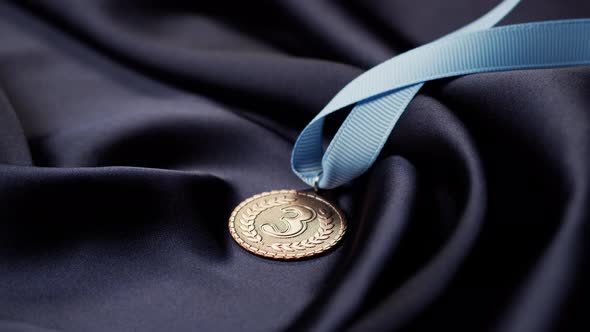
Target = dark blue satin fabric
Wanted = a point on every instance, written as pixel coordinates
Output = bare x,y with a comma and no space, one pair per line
130,129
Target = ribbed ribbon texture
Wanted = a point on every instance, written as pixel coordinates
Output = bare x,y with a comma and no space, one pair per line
381,94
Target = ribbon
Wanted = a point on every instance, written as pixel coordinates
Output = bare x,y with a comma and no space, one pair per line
381,94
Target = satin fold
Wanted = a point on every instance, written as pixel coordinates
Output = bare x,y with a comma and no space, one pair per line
130,129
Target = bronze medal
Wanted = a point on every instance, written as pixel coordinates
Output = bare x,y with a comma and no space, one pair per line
287,224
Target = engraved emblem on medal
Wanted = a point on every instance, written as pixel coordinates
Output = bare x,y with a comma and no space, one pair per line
287,224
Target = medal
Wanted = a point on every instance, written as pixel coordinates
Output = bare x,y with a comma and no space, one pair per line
287,224
290,224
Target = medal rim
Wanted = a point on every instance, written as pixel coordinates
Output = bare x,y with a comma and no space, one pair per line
286,256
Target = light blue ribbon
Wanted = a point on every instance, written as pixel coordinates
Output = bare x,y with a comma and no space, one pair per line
382,93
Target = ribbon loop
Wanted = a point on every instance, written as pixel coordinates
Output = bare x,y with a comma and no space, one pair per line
382,93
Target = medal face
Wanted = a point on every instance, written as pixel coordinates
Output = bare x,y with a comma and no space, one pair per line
286,224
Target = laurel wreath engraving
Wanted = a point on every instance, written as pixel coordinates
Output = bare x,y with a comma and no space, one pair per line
247,218
322,234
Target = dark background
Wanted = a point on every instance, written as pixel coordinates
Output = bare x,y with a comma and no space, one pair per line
130,129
